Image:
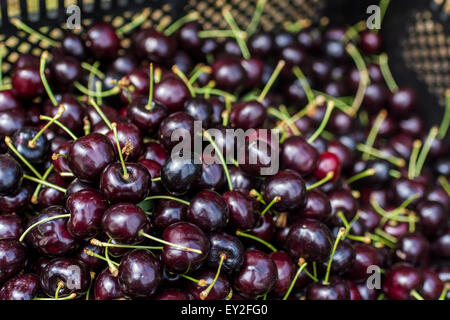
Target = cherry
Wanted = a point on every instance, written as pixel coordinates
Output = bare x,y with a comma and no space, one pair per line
10,174
343,258
11,121
239,179
22,287
295,94
441,245
220,290
154,169
188,37
297,154
73,45
89,155
309,38
139,274
106,286
432,285
403,102
26,82
317,206
131,186
254,69
187,235
264,228
248,115
172,93
86,209
146,118
342,201
439,195
11,226
258,275
65,71
370,42
91,262
365,256
228,74
180,174
283,39
334,49
432,216
285,272
208,211
179,122
199,109
286,186
8,100
16,202
395,229
154,45
167,212
124,221
400,280
375,96
404,189
412,125
327,162
102,41
35,153
49,196
173,294
412,248
260,44
354,292
309,239
242,209
13,256
154,151
138,81
223,243
369,217
213,176
294,56
65,276
336,290
130,137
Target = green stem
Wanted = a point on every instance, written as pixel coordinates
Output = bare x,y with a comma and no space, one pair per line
90,93
119,151
425,149
366,173
183,77
60,216
149,105
322,181
221,158
216,92
11,146
168,198
142,233
101,113
416,295
299,271
237,32
386,72
2,54
215,34
32,142
98,89
93,69
96,255
305,84
374,131
256,17
136,22
34,197
271,81
274,200
98,243
371,151
59,124
336,242
413,159
326,117
49,91
69,297
444,183
192,16
364,78
250,236
45,183
445,123
22,26
204,294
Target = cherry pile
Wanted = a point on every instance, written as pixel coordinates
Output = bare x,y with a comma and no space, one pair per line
93,206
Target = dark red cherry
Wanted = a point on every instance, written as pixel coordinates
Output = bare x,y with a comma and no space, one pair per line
248,115
26,82
106,286
369,217
92,263
8,100
337,289
128,135
124,221
213,176
432,286
342,201
432,217
145,118
13,256
327,162
309,239
73,45
260,44
317,206
239,179
375,96
254,68
365,256
51,238
208,211
412,125
11,174
49,196
65,71
177,125
172,93
294,93
309,38
94,117
395,228
154,169
220,291
18,201
441,245
403,189
293,55
283,39
264,228
173,294
72,273
154,45
188,37
89,155
102,41
139,274
285,272
22,287
137,85
400,280
297,154
154,151
61,163
354,292
124,64
11,121
370,42
258,275
199,109
116,187
403,102
287,185
11,226
76,185
180,173
343,258
438,194
242,209
223,243
335,50
86,208
34,154
187,235
228,74
412,248
229,48
167,212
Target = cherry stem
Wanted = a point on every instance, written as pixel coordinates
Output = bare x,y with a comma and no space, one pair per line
204,294
444,291
99,243
216,92
285,120
314,264
22,26
150,91
168,198
425,149
237,32
226,113
119,151
34,197
445,123
101,113
66,174
60,216
200,283
98,89
156,179
10,145
371,151
93,69
395,173
142,233
366,173
45,183
413,159
32,142
96,255
384,4
302,265
183,77
136,22
326,117
322,181
444,183
386,72
340,103
412,221
192,16
374,131
59,287
250,236
354,30
385,235
90,93
304,82
112,267
86,125
221,158
198,72
309,274
364,78
416,294
2,55
364,239
59,124
217,34
274,200
69,297
271,81
254,193
253,25
330,261
43,62
91,78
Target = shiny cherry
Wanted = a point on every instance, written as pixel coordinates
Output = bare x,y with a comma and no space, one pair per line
223,243
124,221
22,287
102,41
11,174
208,211
287,185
